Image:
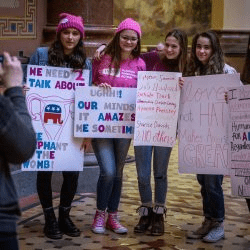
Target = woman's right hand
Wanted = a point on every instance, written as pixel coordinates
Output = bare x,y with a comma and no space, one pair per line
105,85
99,52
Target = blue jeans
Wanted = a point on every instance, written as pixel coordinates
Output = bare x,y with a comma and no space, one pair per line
143,156
212,195
111,154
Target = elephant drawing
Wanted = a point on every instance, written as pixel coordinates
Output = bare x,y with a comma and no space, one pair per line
45,109
53,112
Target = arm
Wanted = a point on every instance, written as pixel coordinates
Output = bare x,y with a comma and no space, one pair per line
89,67
17,136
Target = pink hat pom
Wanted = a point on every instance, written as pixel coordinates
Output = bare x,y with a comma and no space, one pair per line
129,24
70,21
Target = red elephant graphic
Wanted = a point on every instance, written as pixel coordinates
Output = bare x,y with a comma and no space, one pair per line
47,108
53,112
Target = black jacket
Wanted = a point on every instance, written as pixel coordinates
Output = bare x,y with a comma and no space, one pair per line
17,145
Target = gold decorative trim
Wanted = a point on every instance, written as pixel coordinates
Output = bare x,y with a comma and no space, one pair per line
23,27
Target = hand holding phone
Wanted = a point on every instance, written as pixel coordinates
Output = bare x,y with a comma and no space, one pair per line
11,74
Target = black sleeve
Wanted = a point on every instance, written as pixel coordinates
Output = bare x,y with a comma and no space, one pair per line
17,136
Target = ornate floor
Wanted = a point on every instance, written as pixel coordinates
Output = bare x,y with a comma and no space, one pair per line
184,214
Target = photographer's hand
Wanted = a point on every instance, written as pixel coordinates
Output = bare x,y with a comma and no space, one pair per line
11,73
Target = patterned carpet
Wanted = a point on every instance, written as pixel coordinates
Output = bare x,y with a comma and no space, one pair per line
184,214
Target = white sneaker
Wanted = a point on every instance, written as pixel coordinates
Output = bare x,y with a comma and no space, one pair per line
216,233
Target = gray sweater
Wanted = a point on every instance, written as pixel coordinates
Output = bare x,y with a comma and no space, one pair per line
17,145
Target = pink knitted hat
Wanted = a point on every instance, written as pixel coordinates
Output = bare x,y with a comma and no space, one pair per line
70,21
129,24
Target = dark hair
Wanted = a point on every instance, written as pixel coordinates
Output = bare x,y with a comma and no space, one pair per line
114,50
216,62
76,60
245,77
181,37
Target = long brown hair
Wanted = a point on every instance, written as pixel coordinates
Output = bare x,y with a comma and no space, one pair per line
114,50
216,62
181,37
76,60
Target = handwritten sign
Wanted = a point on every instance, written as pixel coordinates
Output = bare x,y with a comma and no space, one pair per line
239,137
105,113
50,102
202,125
157,108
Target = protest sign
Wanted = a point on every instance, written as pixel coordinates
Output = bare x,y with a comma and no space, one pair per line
50,102
157,106
203,122
239,138
104,112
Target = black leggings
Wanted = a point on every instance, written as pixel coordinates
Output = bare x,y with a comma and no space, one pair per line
9,244
68,190
248,203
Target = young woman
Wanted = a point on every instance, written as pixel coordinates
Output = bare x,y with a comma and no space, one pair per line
118,67
66,51
172,59
207,59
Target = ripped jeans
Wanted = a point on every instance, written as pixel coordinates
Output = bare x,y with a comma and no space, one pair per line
143,156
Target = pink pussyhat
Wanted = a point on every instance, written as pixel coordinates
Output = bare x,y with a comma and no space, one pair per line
70,21
129,24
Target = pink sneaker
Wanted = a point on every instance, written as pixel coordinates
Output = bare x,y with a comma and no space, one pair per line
99,222
114,224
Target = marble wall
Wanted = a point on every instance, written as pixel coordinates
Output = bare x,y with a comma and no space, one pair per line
158,16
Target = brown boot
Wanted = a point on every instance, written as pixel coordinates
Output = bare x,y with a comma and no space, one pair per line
145,219
157,228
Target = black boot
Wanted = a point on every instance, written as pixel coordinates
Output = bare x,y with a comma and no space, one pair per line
158,220
145,220
51,229
65,223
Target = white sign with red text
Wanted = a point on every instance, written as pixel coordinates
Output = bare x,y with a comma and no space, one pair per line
157,105
203,124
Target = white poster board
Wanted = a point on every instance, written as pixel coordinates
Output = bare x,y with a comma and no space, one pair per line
105,112
50,102
239,137
157,107
202,125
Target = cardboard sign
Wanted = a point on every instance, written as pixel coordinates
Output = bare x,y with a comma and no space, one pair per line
239,138
202,125
157,107
50,102
105,112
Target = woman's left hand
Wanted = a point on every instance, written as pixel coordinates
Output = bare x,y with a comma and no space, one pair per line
181,82
86,144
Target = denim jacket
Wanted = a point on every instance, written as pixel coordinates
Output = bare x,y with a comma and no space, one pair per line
40,57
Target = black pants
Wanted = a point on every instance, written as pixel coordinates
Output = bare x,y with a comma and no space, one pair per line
68,190
10,243
248,203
